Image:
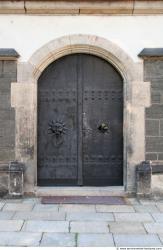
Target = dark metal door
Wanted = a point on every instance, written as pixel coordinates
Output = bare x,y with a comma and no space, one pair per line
80,123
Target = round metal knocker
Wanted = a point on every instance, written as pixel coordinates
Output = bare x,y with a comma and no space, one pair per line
103,128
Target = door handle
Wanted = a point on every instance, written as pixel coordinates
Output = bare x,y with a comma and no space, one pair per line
103,127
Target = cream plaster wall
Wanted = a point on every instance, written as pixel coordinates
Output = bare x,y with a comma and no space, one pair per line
27,33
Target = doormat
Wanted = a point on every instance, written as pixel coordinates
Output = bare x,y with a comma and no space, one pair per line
106,200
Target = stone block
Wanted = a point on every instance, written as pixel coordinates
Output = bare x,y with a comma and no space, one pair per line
82,216
7,114
138,240
41,215
154,144
154,228
136,217
11,7
95,240
141,91
143,179
58,240
22,95
77,208
161,127
46,226
5,83
114,208
21,239
17,207
160,157
1,67
152,127
157,187
151,156
156,97
16,178
5,102
10,67
126,228
153,69
10,225
154,112
157,84
7,154
148,7
89,227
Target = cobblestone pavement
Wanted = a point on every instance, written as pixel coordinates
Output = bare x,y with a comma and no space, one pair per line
27,222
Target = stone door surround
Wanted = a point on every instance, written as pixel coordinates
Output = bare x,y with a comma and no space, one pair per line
24,100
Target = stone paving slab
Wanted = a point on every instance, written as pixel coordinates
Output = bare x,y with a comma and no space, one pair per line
136,240
46,226
154,228
23,239
6,215
95,240
147,202
1,205
89,227
126,228
136,217
160,207
114,208
146,208
161,238
17,207
58,240
47,207
13,200
11,225
89,216
53,216
158,217
77,208
132,201
32,200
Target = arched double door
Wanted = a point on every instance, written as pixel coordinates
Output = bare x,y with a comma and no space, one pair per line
80,123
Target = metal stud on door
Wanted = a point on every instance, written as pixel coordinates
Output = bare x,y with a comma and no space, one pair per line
80,123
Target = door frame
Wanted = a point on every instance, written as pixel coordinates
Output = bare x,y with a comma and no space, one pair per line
136,94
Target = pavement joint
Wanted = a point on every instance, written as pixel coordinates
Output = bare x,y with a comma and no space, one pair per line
41,238
76,239
81,225
22,225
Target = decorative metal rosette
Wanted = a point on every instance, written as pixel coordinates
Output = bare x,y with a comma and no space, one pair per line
57,128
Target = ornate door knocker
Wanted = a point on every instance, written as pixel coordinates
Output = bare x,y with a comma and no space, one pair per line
58,129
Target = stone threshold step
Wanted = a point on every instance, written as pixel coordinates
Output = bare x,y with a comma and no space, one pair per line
80,191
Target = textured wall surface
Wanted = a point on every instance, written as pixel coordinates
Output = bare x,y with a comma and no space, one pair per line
27,33
154,114
8,74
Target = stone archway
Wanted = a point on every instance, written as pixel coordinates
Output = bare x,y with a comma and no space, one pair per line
24,99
